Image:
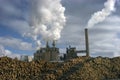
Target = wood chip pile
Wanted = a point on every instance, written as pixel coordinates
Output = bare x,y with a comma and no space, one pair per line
81,68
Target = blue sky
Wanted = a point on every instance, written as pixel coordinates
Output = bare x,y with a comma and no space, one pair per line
104,36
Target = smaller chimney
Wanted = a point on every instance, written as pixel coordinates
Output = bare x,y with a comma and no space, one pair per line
53,44
87,42
47,44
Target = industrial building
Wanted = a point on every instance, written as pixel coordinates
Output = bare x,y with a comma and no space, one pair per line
26,58
47,53
51,53
71,52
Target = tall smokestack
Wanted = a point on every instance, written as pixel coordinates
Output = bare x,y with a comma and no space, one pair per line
87,42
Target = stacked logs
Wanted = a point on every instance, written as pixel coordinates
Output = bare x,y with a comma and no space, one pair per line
81,68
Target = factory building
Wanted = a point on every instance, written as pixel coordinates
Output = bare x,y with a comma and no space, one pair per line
47,53
71,52
26,58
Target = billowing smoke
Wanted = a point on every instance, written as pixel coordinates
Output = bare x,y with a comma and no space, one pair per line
100,16
47,19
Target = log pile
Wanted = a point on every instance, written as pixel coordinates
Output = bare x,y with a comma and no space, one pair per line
81,68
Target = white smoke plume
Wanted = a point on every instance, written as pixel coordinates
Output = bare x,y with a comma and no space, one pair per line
100,16
47,19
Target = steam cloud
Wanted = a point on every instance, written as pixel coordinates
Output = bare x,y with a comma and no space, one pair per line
101,15
47,20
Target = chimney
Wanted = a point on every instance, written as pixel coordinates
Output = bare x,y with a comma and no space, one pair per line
87,42
47,44
53,44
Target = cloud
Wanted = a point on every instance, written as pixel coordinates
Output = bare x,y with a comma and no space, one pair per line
15,43
14,14
5,52
8,8
108,43
19,26
103,38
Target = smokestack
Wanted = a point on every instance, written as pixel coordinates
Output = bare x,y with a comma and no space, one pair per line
47,44
87,42
53,44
